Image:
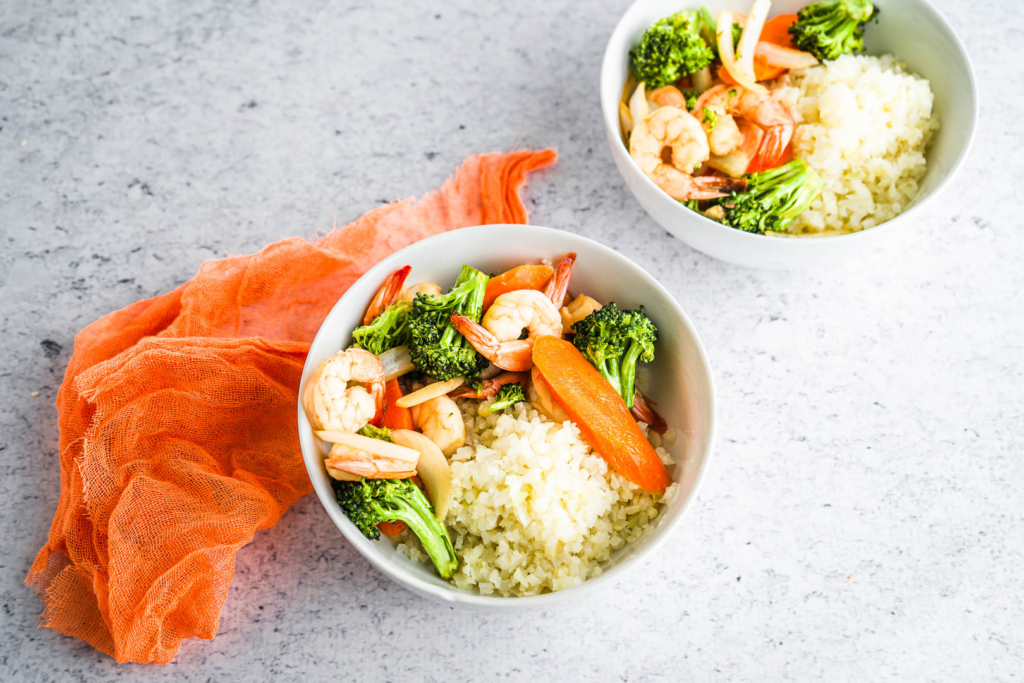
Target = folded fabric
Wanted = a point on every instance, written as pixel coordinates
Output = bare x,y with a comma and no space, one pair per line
178,434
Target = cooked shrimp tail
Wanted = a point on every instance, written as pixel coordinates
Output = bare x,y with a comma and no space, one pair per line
772,151
559,284
387,294
713,187
643,411
512,355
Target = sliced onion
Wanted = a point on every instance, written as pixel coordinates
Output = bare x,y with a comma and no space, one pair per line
785,57
379,447
702,79
752,34
725,51
432,468
734,164
625,121
428,392
396,362
638,104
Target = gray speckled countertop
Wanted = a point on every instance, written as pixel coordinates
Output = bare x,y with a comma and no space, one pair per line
864,518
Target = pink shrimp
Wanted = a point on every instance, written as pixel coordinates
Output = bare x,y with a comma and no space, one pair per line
674,134
387,294
559,284
759,109
497,338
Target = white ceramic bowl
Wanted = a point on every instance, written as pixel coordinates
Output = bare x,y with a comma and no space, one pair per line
681,383
912,30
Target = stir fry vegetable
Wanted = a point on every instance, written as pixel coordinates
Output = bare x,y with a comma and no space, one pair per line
395,416
600,413
368,502
508,396
671,49
831,28
389,330
520,277
437,348
773,198
615,342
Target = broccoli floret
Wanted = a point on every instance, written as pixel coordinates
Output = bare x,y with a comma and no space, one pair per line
691,100
671,49
382,433
831,28
436,346
368,502
615,342
509,395
388,330
773,198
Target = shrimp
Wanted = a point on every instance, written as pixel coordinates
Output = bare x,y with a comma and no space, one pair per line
760,109
541,399
331,401
409,293
440,420
559,284
667,96
348,463
578,309
496,337
386,294
643,411
675,131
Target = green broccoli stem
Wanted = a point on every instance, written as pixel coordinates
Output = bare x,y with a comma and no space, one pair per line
627,372
794,184
610,370
474,283
414,509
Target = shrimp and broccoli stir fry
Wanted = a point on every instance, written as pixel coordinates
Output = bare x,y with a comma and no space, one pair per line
389,408
699,113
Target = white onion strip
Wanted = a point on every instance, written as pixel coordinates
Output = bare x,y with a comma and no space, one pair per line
728,56
384,449
751,35
785,57
430,391
638,104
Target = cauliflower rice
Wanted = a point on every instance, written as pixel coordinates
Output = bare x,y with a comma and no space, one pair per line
864,124
534,509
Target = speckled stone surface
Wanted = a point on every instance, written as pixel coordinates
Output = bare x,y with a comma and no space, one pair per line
864,516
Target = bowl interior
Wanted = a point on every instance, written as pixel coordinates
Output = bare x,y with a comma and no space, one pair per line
680,381
909,29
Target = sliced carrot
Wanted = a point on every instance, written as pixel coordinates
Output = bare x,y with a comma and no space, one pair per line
600,413
776,30
520,277
395,417
394,528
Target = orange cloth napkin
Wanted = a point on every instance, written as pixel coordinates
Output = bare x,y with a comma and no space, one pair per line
178,433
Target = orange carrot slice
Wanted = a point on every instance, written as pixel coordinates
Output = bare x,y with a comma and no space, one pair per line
776,30
394,528
520,277
395,417
600,413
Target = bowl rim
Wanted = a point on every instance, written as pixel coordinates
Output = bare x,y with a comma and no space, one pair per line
609,114
449,594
